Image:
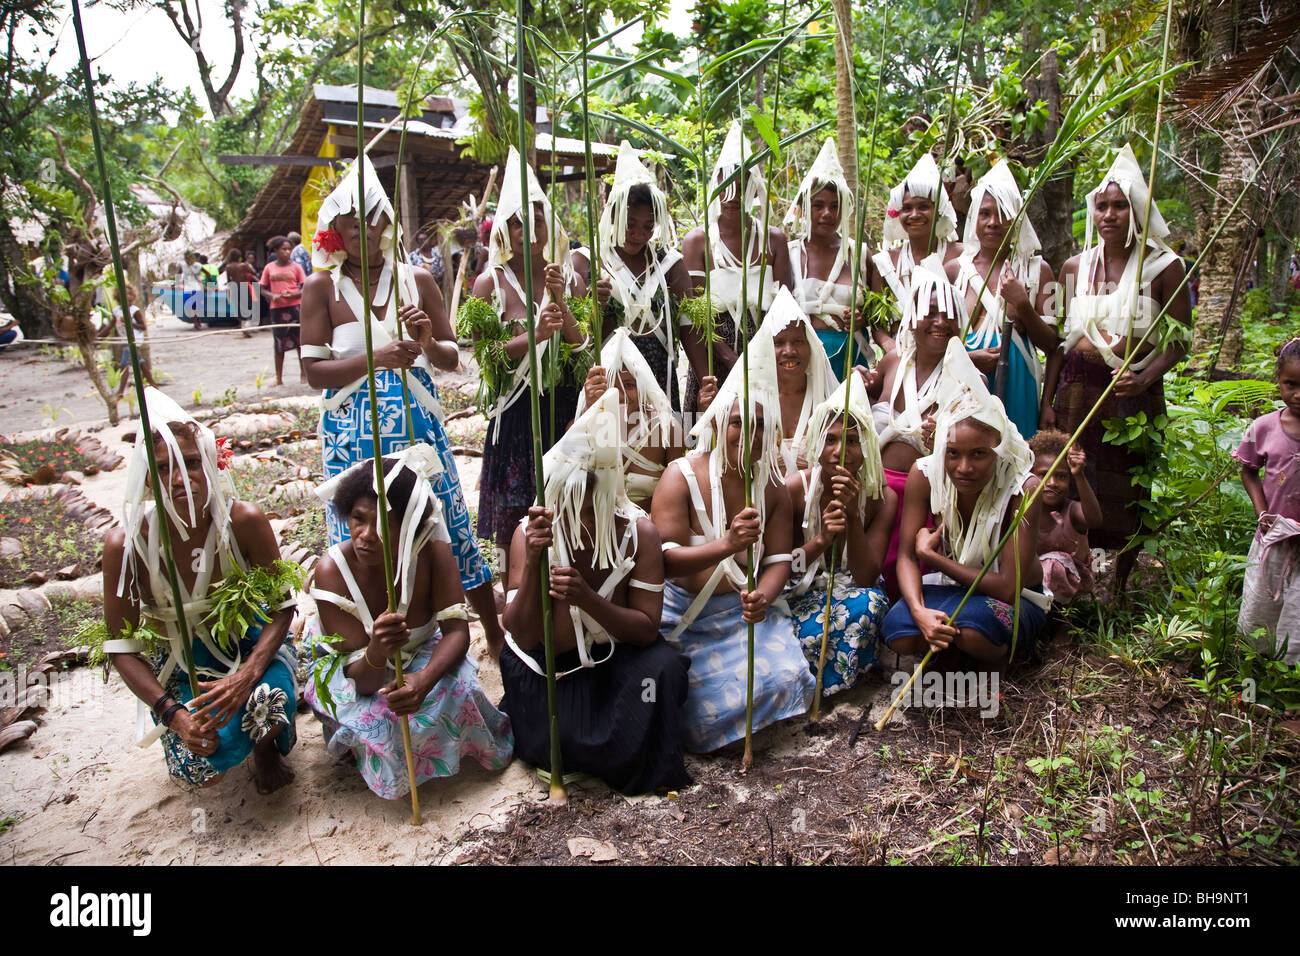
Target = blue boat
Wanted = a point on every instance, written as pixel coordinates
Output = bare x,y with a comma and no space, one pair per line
210,305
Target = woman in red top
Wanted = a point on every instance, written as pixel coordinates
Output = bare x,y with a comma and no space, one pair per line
282,279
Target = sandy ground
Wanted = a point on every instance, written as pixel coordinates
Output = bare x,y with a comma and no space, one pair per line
37,390
80,790
82,793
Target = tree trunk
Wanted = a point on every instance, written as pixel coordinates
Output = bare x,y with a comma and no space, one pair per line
1051,207
846,135
1222,265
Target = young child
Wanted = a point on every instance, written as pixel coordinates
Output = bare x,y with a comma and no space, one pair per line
1271,595
1063,522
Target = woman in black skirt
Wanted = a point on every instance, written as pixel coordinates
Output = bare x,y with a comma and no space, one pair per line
621,686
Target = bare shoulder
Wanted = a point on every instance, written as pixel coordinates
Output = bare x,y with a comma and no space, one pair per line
647,534
954,250
318,281
483,286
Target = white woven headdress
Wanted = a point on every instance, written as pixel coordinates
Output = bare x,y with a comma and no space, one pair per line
141,547
629,171
590,451
963,396
751,188
619,353
785,312
417,528
711,430
1125,173
342,201
510,203
825,171
924,180
929,280
871,475
999,183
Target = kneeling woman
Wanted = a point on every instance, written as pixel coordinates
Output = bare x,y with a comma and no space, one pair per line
356,698
621,686
247,693
849,504
973,484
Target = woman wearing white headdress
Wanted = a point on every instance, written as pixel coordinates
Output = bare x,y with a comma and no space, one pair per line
707,604
506,484
351,689
971,487
907,381
607,577
767,268
650,434
821,257
1000,278
334,355
642,274
906,231
1106,316
247,693
852,504
804,376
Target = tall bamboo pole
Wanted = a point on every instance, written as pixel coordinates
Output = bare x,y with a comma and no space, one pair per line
119,274
589,187
952,115
399,256
381,505
557,791
747,760
864,192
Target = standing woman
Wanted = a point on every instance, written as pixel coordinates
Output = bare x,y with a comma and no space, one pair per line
726,213
283,279
907,228
507,482
821,257
642,269
1106,314
335,353
1000,278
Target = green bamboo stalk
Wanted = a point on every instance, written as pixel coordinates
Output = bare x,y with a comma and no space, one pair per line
399,252
589,187
747,760
1151,177
1033,496
952,113
381,504
705,172
119,271
864,191
557,792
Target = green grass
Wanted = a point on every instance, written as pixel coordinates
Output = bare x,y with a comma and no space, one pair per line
50,541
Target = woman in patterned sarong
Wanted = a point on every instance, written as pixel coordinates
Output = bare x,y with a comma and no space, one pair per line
334,358
1107,316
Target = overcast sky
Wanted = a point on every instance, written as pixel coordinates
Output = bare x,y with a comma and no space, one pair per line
142,44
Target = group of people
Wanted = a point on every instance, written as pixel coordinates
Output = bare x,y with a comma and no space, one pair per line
797,487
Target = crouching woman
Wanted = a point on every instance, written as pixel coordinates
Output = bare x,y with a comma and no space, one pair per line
973,484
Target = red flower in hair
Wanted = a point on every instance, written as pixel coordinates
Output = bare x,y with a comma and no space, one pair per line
327,241
891,212
224,451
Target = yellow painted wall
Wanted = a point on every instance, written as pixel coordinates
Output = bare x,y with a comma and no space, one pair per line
320,182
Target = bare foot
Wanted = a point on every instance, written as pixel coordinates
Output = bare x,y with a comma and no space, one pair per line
270,770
